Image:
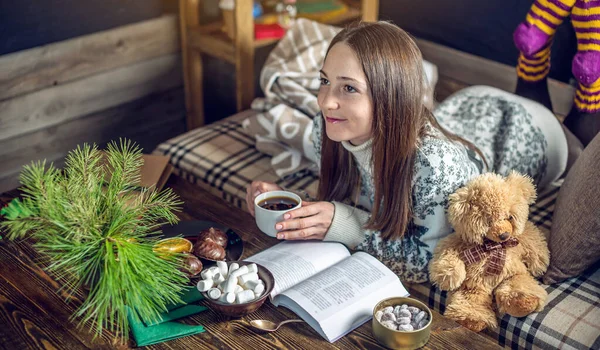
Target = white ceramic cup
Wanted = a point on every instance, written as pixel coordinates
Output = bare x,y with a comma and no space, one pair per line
265,218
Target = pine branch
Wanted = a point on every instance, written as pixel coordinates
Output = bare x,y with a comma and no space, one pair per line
145,282
97,230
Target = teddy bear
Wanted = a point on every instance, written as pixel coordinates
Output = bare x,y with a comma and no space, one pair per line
489,262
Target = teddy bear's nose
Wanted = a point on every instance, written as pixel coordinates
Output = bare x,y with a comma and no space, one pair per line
504,236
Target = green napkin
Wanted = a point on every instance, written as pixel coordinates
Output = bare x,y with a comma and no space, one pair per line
166,330
177,311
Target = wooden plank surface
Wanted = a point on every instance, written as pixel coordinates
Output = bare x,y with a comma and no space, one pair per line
58,63
45,324
201,205
56,105
475,70
148,121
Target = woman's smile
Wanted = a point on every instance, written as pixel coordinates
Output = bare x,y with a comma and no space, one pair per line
333,120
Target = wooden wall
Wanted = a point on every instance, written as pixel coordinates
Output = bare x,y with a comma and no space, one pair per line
123,82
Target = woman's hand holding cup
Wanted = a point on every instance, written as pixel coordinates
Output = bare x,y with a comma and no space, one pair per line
305,220
311,221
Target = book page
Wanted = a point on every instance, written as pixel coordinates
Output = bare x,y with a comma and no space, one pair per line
293,261
342,297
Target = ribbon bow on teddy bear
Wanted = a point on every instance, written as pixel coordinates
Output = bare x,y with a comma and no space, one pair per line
496,252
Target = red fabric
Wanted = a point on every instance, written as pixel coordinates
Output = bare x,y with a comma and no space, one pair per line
268,31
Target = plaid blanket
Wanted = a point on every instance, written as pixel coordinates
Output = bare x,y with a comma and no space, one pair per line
222,158
290,81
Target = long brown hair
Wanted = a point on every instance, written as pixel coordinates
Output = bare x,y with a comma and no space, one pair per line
393,66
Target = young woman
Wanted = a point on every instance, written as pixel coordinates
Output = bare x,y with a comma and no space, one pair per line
383,151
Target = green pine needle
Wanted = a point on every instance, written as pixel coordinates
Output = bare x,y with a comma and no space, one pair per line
97,228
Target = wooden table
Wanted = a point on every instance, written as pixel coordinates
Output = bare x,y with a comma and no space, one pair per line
34,315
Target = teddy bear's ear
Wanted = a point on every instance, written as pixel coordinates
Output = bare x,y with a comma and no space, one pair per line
523,183
458,205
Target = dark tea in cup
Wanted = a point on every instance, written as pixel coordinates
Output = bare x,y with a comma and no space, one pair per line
270,207
278,203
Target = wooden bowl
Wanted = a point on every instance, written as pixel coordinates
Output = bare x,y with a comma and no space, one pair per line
240,310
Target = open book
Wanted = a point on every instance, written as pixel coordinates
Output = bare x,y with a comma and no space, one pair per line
333,291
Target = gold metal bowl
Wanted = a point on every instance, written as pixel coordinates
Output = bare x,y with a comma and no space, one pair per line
399,339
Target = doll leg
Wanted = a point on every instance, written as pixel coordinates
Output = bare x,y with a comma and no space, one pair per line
533,39
520,295
472,308
584,118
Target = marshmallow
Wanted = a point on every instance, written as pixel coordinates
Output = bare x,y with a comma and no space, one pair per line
259,289
252,284
228,298
230,284
252,268
218,278
205,285
222,265
244,296
214,293
243,279
207,274
233,267
241,271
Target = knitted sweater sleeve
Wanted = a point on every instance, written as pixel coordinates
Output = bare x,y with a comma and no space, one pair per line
347,226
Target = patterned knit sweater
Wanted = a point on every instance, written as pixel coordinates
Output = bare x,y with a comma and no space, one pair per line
441,167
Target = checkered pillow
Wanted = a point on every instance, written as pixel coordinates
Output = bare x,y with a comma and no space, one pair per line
222,158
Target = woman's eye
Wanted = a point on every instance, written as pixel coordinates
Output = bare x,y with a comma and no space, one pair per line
349,88
324,81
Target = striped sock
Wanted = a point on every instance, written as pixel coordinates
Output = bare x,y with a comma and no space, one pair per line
585,17
533,37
